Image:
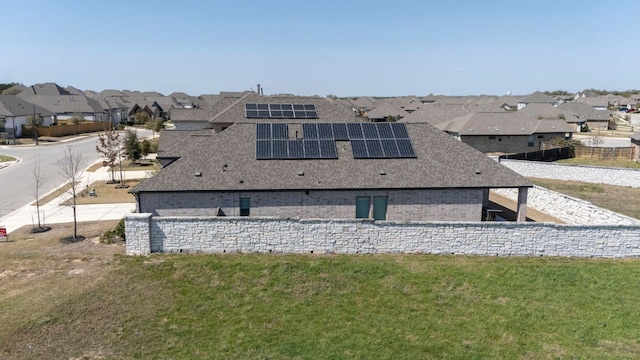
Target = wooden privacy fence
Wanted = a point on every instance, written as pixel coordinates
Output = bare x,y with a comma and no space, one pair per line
64,130
611,153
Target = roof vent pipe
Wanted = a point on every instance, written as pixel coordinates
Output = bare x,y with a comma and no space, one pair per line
258,90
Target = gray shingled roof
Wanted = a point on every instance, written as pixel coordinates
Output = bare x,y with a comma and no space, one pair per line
578,110
436,113
67,103
503,123
11,105
442,162
537,97
635,137
229,110
46,89
383,109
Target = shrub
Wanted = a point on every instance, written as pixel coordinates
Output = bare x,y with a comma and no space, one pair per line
114,235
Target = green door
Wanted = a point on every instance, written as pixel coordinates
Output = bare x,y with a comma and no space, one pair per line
362,207
380,208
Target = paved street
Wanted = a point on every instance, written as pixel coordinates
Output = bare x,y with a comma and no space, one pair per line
17,183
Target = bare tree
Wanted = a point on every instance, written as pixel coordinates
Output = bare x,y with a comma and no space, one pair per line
71,169
109,143
37,176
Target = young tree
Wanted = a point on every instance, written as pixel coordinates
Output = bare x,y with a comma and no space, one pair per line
34,122
109,144
154,124
596,139
75,120
38,180
141,117
131,146
145,147
71,169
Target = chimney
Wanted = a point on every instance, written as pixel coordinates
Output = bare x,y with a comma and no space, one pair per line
258,90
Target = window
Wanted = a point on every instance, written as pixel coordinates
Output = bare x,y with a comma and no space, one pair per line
492,137
380,208
531,140
362,207
245,204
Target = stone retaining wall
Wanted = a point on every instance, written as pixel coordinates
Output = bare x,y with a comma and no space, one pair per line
146,234
568,209
589,174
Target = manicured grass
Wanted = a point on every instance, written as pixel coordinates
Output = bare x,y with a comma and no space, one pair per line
4,158
597,162
248,306
623,200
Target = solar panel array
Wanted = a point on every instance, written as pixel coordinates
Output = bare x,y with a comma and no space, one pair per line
280,111
272,142
368,141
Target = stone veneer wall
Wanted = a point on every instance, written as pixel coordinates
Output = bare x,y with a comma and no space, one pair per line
568,209
589,174
146,234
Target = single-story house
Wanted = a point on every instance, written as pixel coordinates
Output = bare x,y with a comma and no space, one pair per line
506,132
14,113
266,165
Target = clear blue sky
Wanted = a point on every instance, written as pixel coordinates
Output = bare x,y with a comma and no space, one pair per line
346,48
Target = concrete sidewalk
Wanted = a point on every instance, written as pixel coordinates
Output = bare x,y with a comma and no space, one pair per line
54,212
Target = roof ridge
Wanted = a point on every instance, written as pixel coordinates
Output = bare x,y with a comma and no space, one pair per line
229,107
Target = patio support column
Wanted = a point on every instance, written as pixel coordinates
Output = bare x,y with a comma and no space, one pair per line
522,204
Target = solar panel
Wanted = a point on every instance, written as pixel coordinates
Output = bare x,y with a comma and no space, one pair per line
328,149
310,131
390,148
340,131
399,131
280,149
355,131
359,149
370,131
263,131
325,131
384,130
296,149
311,149
405,148
279,131
374,148
280,111
368,140
263,149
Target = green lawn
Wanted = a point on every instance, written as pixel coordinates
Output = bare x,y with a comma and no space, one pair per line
338,307
4,158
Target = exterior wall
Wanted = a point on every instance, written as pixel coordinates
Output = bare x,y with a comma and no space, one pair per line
509,143
598,124
219,235
403,205
16,123
588,174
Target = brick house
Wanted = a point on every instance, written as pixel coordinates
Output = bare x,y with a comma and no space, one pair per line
267,164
